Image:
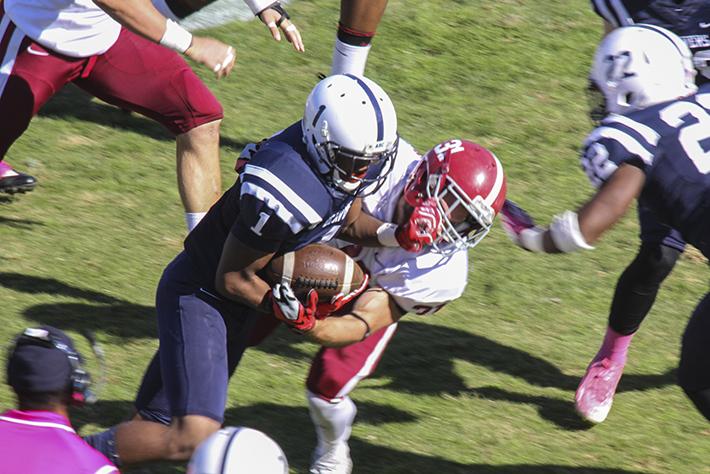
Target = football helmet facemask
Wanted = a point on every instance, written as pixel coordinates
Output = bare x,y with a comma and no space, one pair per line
638,66
350,129
469,186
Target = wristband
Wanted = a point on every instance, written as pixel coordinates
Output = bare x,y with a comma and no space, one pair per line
258,6
386,235
565,233
176,37
531,239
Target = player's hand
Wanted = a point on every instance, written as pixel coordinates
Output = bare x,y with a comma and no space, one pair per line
214,54
421,229
323,310
275,18
517,223
288,309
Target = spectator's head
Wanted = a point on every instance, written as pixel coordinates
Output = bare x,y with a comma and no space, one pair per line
44,369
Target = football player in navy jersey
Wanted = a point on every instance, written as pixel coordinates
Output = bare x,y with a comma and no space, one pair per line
650,147
661,245
302,186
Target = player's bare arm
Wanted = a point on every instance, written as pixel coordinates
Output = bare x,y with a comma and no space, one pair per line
360,228
141,17
372,311
237,277
569,231
413,229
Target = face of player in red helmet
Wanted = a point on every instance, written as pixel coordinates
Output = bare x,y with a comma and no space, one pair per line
469,186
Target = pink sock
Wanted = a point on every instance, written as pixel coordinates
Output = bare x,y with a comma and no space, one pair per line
614,346
4,168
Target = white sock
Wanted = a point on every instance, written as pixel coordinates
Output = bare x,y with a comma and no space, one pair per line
333,421
192,219
349,59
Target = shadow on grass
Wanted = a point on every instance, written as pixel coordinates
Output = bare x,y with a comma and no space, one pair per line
291,428
18,223
418,349
420,360
72,102
104,313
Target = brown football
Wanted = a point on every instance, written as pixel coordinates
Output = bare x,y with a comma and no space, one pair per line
326,269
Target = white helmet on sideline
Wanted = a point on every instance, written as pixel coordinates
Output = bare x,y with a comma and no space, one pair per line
639,66
350,130
238,450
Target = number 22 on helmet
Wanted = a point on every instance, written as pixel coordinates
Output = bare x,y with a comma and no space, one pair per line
469,186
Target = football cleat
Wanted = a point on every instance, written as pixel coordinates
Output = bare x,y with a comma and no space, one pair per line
595,393
12,182
335,460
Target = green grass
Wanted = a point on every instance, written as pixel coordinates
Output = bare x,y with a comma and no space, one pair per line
487,384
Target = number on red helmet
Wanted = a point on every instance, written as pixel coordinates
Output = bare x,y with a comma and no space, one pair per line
469,186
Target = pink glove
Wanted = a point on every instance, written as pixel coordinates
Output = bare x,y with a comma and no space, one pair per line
520,227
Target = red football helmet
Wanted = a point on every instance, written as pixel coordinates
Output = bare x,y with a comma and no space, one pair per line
469,186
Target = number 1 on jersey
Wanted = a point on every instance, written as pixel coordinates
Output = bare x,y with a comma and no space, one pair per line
259,226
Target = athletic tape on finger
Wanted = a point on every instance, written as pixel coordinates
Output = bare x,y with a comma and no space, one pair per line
271,24
291,27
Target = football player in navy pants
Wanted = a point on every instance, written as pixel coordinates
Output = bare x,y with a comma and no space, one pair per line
661,245
302,186
647,147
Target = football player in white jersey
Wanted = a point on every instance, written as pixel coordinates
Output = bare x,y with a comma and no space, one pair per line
467,184
118,51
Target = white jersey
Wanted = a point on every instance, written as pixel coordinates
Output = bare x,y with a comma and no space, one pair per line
420,283
76,28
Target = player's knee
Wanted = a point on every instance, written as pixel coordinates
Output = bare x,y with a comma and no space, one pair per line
700,398
185,435
206,132
655,262
324,385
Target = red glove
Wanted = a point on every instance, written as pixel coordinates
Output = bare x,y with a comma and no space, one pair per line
421,229
288,309
340,300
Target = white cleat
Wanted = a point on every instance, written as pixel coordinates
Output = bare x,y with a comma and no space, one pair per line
335,460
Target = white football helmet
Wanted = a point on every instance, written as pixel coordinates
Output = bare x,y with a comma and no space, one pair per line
238,450
638,66
350,130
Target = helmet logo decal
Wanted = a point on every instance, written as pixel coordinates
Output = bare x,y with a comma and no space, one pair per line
452,146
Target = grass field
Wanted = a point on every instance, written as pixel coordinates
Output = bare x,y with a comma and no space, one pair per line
487,384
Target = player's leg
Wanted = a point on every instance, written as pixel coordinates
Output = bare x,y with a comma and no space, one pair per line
183,394
29,76
358,23
144,77
635,294
694,368
334,374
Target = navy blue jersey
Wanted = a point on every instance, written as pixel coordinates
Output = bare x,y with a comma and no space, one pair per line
670,142
278,204
689,19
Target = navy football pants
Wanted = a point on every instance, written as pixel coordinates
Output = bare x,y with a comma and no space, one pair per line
202,338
